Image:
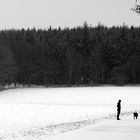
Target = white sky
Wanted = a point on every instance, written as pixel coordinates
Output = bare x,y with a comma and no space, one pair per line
66,13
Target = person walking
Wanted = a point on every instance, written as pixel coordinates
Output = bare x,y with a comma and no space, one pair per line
118,109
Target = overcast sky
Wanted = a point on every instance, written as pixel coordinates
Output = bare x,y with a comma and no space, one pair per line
66,13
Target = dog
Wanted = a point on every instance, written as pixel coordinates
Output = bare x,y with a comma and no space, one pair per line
135,115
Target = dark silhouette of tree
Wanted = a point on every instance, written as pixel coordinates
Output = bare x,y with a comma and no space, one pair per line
8,68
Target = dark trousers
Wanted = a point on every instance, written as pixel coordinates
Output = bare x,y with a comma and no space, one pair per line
118,114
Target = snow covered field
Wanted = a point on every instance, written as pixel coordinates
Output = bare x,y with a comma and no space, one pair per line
126,129
36,113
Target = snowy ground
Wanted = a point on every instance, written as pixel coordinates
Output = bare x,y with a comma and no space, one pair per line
30,114
126,129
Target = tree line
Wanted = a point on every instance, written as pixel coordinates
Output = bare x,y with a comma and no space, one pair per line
83,55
